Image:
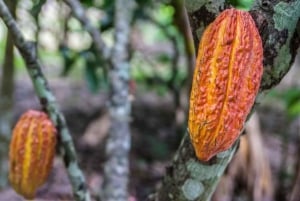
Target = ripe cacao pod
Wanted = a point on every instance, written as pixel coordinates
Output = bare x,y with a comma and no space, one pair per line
31,152
226,80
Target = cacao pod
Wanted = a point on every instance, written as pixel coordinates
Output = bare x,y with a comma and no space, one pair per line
225,83
31,152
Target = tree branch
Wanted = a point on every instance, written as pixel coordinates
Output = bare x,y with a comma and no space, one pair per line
182,22
190,179
6,101
171,83
116,168
49,104
102,50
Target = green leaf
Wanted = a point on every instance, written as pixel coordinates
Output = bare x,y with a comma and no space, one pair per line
294,110
69,57
92,77
107,22
291,96
164,58
87,3
161,90
291,99
101,63
165,14
242,4
36,8
108,4
144,2
92,74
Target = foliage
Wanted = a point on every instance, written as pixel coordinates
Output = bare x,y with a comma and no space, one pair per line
151,72
291,99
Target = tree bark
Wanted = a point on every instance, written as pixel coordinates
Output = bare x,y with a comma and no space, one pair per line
6,100
189,179
116,168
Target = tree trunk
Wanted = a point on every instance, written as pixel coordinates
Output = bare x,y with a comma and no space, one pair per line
116,168
6,100
189,179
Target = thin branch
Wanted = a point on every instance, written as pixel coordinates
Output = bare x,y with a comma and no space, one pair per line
49,104
35,11
182,23
102,50
174,63
175,59
116,168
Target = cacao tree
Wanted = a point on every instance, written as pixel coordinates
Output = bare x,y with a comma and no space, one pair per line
188,178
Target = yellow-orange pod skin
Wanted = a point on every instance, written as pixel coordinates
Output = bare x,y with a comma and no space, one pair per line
31,152
226,81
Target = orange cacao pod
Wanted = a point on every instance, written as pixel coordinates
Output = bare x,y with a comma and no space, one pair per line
31,152
226,80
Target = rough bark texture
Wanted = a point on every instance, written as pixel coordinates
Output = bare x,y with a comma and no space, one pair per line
116,168
189,178
48,103
6,100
